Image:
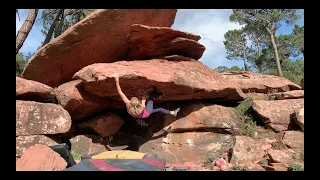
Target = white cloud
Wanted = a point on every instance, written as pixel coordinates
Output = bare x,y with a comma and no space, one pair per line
211,25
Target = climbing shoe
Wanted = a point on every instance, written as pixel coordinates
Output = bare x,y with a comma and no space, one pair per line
176,111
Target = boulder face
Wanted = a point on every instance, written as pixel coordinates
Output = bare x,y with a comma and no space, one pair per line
175,58
88,144
40,158
260,83
97,38
293,139
81,104
246,150
295,94
278,114
177,80
24,142
299,118
40,118
105,125
32,90
181,148
150,42
198,116
282,156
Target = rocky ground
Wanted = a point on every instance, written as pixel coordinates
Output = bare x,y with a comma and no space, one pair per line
235,121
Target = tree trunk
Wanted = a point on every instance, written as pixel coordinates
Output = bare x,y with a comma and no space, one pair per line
52,27
275,49
59,28
244,57
259,54
26,28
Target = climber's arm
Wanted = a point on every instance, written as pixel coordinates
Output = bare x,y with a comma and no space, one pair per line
144,99
122,95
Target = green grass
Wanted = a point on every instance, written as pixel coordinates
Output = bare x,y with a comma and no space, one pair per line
238,168
243,107
210,158
264,162
75,155
295,167
248,126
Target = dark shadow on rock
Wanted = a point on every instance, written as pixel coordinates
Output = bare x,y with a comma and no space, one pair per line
292,124
135,135
254,116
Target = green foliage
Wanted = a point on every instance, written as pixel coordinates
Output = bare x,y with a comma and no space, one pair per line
264,17
226,69
248,126
264,162
75,155
222,68
72,16
48,16
298,38
239,168
292,70
210,158
295,167
236,68
261,22
20,63
235,44
244,106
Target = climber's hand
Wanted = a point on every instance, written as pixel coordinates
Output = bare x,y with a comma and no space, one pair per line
116,77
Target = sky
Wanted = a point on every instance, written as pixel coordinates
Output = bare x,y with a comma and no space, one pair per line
210,24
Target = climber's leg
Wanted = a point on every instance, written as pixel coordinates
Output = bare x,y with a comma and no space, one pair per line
149,106
165,111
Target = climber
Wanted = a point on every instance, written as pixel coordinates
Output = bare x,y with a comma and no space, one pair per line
139,109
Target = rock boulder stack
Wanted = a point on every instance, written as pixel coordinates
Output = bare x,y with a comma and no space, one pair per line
68,94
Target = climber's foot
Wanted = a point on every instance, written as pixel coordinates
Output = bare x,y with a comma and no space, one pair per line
175,112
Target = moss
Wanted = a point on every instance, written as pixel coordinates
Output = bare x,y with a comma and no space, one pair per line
210,158
75,155
295,167
243,107
239,168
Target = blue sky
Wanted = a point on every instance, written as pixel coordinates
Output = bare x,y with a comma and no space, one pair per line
210,24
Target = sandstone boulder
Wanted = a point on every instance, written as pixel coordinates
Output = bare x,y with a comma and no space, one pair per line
24,142
197,115
183,80
282,156
40,158
293,139
88,144
295,94
176,58
40,118
149,42
195,147
32,90
246,150
81,104
278,114
260,83
277,167
106,124
299,118
97,38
